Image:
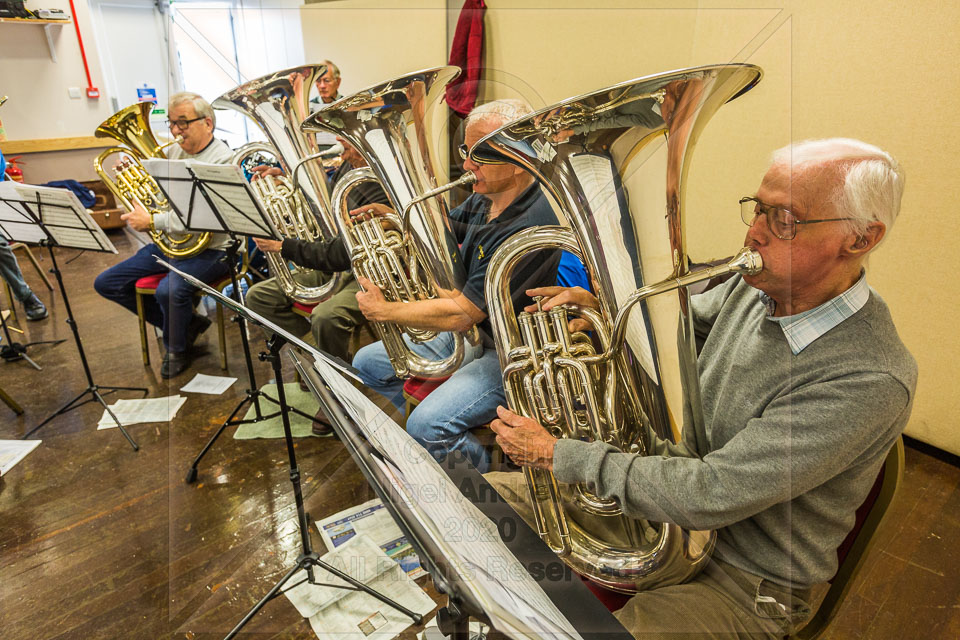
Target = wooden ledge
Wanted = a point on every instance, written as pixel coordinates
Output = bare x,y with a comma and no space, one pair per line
11,147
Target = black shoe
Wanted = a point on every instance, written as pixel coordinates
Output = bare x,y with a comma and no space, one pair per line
34,308
198,324
174,364
321,425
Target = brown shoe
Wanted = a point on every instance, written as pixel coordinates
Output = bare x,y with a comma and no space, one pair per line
303,385
321,425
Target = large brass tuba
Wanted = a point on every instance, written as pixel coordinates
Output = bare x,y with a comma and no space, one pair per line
616,161
132,184
279,102
416,257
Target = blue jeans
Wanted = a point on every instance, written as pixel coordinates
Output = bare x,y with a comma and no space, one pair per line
172,307
10,271
468,399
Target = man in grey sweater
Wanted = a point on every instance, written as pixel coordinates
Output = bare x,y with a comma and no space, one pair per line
805,387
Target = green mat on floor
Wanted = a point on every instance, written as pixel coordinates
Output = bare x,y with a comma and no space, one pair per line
273,427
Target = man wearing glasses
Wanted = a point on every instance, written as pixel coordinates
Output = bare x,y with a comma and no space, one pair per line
505,200
805,388
172,308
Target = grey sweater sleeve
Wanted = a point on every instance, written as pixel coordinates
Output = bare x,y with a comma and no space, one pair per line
803,439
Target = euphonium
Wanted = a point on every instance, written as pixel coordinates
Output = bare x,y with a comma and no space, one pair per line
133,185
286,210
416,256
604,157
279,102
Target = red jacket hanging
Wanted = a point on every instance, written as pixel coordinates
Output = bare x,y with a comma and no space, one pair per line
467,53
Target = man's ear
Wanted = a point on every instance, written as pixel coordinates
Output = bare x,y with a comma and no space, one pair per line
870,238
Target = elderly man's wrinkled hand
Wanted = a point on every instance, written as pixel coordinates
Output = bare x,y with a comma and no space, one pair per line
526,442
263,170
371,301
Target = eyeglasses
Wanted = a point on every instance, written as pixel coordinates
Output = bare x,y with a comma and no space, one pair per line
480,155
781,221
182,123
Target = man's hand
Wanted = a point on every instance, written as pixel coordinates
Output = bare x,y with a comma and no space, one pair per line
138,219
268,246
524,440
372,303
370,211
553,296
264,170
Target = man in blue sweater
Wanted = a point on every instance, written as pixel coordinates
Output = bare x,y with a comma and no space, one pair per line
786,454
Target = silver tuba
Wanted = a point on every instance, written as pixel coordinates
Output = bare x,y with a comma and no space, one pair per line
616,161
416,256
279,103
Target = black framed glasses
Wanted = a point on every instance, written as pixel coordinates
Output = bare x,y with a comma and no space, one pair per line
781,221
182,123
480,156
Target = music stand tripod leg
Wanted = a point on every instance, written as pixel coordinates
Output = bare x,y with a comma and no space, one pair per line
92,388
308,559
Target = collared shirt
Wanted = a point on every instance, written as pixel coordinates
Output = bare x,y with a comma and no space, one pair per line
479,239
802,329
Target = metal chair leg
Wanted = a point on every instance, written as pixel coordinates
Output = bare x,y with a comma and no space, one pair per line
221,334
141,319
33,260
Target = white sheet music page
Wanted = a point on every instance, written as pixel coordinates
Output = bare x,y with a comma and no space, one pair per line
65,218
176,181
16,224
233,199
510,596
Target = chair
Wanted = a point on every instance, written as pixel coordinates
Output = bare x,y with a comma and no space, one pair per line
853,551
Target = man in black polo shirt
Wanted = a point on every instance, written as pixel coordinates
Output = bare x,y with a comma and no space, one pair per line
505,200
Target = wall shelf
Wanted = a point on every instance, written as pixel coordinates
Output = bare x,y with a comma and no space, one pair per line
11,147
47,25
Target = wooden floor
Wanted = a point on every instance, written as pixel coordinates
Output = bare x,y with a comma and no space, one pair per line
99,541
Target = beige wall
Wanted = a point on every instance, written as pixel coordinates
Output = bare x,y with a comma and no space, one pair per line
876,70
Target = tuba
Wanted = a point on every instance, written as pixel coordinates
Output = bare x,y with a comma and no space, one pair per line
416,256
616,162
132,184
279,103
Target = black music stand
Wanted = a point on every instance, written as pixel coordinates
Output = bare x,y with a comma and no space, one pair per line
217,199
590,618
308,558
63,222
11,351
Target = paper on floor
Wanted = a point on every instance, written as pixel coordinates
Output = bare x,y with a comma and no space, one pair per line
146,410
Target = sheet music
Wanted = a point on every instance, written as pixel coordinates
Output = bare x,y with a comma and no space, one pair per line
16,224
65,218
459,528
177,184
233,199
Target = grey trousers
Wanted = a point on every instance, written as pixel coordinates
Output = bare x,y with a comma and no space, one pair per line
331,322
10,271
721,602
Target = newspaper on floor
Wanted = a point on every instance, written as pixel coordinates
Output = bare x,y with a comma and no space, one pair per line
13,451
146,410
344,613
371,519
213,385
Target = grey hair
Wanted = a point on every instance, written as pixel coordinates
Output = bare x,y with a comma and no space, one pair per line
200,106
332,68
868,181
503,110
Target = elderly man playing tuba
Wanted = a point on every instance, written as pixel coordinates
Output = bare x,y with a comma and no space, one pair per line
788,452
505,200
171,309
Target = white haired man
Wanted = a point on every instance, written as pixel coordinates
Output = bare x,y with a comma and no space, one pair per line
505,200
788,453
171,309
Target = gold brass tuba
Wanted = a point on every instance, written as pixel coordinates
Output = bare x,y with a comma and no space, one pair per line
416,256
604,157
279,102
133,185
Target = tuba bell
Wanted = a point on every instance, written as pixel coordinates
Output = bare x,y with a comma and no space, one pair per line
279,102
616,162
132,184
415,257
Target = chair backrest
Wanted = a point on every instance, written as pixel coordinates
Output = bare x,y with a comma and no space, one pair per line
852,552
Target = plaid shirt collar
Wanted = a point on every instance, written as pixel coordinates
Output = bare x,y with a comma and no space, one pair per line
803,328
